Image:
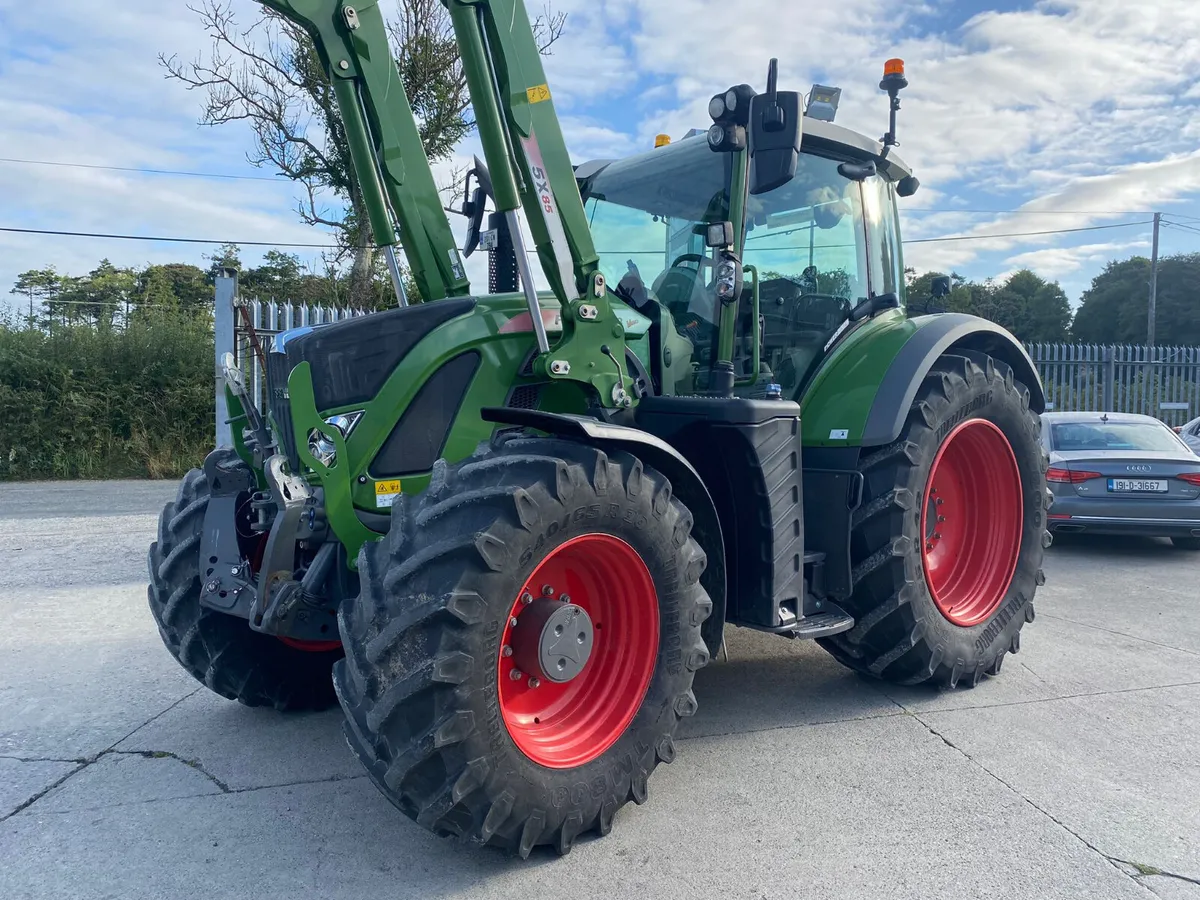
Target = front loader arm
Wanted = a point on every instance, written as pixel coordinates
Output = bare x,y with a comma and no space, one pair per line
527,159
384,143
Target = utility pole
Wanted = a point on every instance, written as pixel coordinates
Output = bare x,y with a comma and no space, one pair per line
1153,282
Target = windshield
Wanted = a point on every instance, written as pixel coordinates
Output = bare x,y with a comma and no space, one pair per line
820,243
1112,436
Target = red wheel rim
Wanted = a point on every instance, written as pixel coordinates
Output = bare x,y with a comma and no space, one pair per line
971,522
561,726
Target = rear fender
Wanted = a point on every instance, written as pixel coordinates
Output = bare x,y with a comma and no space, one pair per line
864,389
936,336
686,484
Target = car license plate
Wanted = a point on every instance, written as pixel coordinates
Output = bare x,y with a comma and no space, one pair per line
1137,486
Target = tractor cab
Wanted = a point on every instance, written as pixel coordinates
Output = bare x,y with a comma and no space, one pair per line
816,249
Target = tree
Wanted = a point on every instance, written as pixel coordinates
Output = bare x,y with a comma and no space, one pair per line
1116,307
1033,309
40,286
269,75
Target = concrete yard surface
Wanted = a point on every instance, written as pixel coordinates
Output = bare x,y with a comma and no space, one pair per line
1073,774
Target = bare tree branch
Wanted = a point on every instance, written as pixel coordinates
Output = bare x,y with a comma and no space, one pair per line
269,75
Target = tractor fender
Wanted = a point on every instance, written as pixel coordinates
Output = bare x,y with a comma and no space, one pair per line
934,336
686,484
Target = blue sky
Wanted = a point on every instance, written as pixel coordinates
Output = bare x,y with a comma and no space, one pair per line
1050,115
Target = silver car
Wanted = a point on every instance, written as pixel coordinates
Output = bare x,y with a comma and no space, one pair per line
1190,433
1119,473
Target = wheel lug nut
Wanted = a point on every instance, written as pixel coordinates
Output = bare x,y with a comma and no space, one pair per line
506,651
941,518
527,598
565,598
547,590
936,536
512,622
535,682
939,502
929,545
516,675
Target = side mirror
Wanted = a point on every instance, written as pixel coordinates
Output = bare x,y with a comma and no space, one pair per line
775,131
940,287
474,203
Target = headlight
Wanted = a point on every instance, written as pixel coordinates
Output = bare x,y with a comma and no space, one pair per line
726,280
321,447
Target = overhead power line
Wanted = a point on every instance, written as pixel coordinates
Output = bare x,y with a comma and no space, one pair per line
1031,212
140,171
188,240
171,240
1015,234
1181,226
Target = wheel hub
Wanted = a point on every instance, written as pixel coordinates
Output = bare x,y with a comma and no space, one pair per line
553,640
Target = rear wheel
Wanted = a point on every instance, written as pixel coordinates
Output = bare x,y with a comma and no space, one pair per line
1186,543
218,650
947,545
524,644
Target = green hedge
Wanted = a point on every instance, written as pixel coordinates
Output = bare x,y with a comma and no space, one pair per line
81,402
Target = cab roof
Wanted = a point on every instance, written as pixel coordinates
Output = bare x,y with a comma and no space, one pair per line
819,137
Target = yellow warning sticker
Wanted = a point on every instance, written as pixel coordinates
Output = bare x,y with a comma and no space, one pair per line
386,492
539,94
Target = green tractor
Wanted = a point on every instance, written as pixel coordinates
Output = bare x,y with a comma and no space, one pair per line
505,531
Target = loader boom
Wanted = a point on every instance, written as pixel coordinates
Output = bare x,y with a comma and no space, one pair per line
529,166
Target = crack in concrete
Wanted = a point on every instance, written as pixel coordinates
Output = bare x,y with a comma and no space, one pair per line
1117,863
1083,695
167,754
57,759
1145,871
1132,637
229,791
89,760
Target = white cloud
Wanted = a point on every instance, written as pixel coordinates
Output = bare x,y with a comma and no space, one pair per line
1055,262
1069,106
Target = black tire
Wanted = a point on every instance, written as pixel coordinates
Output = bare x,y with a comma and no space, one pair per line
419,682
218,650
1186,543
900,634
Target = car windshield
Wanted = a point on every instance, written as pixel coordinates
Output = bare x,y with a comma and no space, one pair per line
1068,436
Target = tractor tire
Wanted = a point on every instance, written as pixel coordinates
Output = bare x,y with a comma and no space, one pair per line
218,650
947,544
458,737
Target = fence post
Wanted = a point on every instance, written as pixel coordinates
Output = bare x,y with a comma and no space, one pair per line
1110,378
224,294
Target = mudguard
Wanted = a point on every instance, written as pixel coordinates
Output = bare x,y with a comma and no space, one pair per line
686,484
862,392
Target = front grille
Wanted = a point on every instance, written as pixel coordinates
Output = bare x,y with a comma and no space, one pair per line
280,407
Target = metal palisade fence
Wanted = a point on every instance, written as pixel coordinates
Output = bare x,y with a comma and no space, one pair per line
245,326
1159,381
1163,382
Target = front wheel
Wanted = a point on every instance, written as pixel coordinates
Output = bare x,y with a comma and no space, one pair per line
524,643
218,650
947,545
